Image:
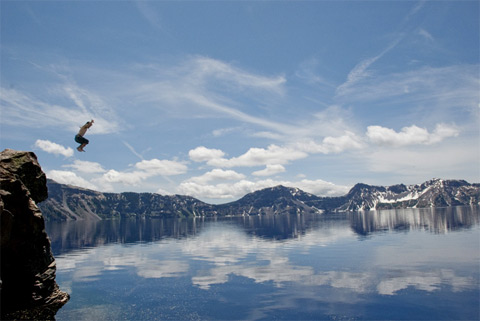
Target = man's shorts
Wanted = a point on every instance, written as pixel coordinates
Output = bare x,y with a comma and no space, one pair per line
80,139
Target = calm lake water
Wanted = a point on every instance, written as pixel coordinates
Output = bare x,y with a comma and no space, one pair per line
384,265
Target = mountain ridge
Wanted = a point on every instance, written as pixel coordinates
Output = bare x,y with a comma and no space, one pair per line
68,202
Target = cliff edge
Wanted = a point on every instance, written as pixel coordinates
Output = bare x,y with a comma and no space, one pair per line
28,287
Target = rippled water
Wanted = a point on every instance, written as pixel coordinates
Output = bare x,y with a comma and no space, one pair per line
403,264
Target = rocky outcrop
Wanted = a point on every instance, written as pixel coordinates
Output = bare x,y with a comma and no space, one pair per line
28,287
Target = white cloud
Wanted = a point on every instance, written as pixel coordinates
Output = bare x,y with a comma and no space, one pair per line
270,169
53,148
453,89
204,154
224,251
412,135
219,191
223,190
161,167
160,268
360,71
86,167
424,33
162,191
217,174
203,190
70,178
214,103
341,143
149,13
126,178
211,86
321,188
306,72
92,106
425,281
134,152
224,131
416,163
273,154
21,109
332,144
145,170
204,67
443,131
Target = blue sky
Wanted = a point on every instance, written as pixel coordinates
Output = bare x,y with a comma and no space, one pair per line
215,99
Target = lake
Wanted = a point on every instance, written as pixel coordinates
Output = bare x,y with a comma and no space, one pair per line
410,264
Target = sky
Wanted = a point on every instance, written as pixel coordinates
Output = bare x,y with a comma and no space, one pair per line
216,99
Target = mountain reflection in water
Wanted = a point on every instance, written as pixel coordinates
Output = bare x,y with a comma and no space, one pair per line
403,264
71,235
436,220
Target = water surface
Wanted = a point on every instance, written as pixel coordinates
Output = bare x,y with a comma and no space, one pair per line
384,265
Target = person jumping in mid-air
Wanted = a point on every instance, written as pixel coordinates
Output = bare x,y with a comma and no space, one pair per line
79,137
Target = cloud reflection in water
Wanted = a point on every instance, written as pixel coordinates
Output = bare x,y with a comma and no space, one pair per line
222,249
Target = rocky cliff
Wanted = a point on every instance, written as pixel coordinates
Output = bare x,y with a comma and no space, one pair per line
28,287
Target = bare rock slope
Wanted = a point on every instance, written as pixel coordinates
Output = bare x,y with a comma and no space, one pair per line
28,286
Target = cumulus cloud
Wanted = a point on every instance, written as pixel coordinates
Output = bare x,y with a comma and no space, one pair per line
53,148
204,154
273,154
321,188
217,174
126,178
244,186
341,143
222,190
332,144
207,186
270,169
86,167
161,167
144,169
70,178
412,135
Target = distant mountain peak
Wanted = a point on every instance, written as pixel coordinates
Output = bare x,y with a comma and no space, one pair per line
68,202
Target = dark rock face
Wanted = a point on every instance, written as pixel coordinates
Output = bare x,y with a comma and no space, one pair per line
28,287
